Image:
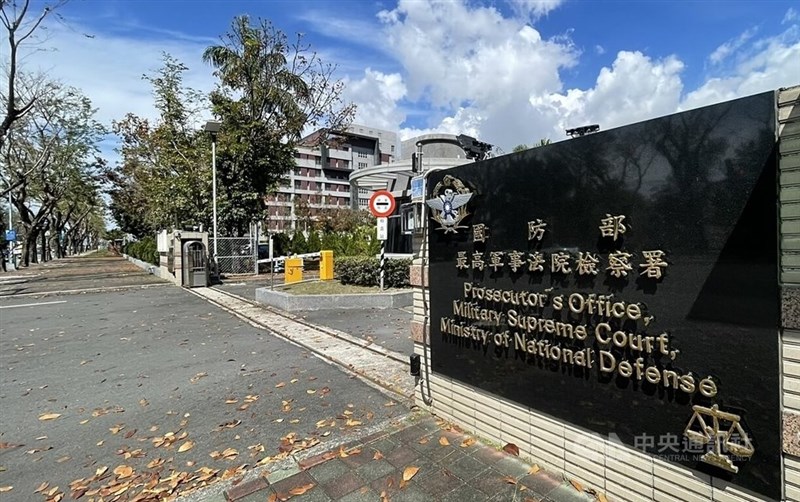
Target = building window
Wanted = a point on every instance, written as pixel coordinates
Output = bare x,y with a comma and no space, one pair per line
362,155
297,183
317,161
362,165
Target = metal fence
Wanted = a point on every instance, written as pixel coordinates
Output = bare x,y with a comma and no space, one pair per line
236,255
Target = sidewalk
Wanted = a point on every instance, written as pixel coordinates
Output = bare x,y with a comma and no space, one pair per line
422,459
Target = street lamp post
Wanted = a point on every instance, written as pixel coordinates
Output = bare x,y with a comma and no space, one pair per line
212,127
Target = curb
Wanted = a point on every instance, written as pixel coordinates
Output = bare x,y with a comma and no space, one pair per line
291,303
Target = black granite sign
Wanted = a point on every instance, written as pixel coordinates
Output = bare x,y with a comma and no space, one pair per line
625,282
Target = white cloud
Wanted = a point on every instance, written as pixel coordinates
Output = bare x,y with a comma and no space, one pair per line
723,51
769,63
377,95
790,16
476,68
533,8
108,67
634,88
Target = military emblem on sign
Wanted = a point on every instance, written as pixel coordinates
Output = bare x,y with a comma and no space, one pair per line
449,203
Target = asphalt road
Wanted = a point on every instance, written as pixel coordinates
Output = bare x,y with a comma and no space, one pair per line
115,379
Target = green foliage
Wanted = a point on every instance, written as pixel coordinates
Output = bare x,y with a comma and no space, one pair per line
270,90
144,249
314,243
361,241
280,244
164,179
522,147
298,244
365,271
51,161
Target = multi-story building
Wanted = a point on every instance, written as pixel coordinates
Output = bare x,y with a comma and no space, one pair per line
321,178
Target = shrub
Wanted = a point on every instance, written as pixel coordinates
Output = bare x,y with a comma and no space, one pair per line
298,244
144,249
313,244
365,271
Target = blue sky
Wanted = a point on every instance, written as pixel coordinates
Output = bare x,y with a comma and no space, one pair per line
507,71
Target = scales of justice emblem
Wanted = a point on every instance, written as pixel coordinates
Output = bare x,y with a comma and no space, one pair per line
722,435
449,203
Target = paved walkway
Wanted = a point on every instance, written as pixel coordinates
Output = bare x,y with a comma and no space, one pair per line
75,274
421,459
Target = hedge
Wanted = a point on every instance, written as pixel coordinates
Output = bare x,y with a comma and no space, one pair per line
144,249
365,271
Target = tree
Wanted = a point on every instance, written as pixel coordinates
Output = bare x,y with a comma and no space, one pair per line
164,179
269,92
51,159
522,146
19,28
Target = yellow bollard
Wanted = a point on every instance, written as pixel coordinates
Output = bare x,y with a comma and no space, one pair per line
326,265
293,270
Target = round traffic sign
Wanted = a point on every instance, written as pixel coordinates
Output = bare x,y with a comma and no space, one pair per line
382,203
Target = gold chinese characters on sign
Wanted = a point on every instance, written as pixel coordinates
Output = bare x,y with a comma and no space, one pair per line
586,263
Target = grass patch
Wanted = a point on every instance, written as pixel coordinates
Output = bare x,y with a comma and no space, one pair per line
330,288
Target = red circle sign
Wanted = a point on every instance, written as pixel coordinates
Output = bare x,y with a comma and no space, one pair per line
381,204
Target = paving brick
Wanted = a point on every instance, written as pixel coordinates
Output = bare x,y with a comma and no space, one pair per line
467,467
465,493
328,470
439,482
374,470
492,483
364,494
310,462
302,478
343,485
402,456
242,490
541,483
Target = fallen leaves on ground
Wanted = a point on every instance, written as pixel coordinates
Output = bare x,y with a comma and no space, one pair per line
378,455
534,469
4,446
198,376
408,473
301,489
186,446
511,449
443,441
49,416
576,485
601,498
123,471
4,489
467,442
229,425
510,480
227,454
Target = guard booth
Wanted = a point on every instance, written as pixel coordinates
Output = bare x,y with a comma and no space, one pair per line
194,264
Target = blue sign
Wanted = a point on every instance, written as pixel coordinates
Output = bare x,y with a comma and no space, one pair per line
417,188
11,235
